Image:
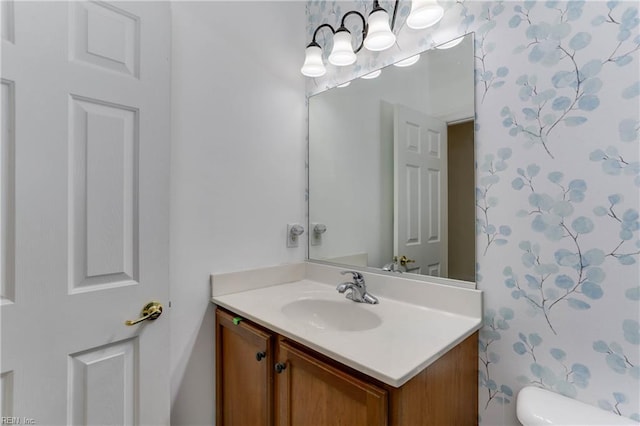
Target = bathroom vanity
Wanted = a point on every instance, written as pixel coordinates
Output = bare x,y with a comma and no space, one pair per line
291,350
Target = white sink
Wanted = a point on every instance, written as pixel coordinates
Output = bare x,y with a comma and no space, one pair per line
411,327
332,315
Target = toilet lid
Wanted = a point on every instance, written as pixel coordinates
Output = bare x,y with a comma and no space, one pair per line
537,406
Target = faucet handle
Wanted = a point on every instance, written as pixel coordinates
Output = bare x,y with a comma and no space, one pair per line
357,276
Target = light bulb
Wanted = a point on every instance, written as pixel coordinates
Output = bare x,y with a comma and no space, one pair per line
342,53
313,65
424,13
379,35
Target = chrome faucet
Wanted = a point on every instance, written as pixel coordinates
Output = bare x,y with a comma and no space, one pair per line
358,289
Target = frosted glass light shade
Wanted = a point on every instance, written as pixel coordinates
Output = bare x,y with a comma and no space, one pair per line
373,74
313,65
379,35
424,13
408,62
342,53
450,44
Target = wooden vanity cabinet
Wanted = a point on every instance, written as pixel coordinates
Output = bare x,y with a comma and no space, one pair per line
445,393
299,387
244,372
312,392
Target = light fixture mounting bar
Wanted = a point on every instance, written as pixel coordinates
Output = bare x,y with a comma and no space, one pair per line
395,12
364,26
315,33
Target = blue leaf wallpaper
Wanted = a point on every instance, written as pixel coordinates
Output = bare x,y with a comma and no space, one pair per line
557,190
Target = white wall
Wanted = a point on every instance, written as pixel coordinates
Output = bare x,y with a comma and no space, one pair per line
346,169
238,177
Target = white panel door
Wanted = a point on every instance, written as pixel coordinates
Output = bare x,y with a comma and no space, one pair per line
85,197
420,191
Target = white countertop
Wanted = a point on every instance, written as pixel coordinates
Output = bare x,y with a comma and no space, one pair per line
411,335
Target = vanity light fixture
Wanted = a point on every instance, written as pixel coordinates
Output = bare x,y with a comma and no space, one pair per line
377,35
343,85
424,14
371,75
342,53
313,65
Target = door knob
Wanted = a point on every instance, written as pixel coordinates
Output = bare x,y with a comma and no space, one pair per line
151,311
404,260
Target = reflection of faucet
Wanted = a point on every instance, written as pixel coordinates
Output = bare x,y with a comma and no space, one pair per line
393,266
358,289
398,265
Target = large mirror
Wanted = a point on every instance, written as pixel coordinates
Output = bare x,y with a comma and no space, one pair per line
391,168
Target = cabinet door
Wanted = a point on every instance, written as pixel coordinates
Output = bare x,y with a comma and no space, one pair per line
311,392
244,373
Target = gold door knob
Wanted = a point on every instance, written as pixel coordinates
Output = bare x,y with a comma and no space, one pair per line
404,260
151,311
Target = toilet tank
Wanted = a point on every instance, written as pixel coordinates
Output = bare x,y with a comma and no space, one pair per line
537,406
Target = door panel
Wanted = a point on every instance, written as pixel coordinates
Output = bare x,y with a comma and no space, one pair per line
7,19
104,191
420,191
105,36
87,201
101,384
7,202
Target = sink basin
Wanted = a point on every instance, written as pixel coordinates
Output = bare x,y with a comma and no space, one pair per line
332,315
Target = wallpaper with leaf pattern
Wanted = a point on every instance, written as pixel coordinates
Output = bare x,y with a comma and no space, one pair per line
558,190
